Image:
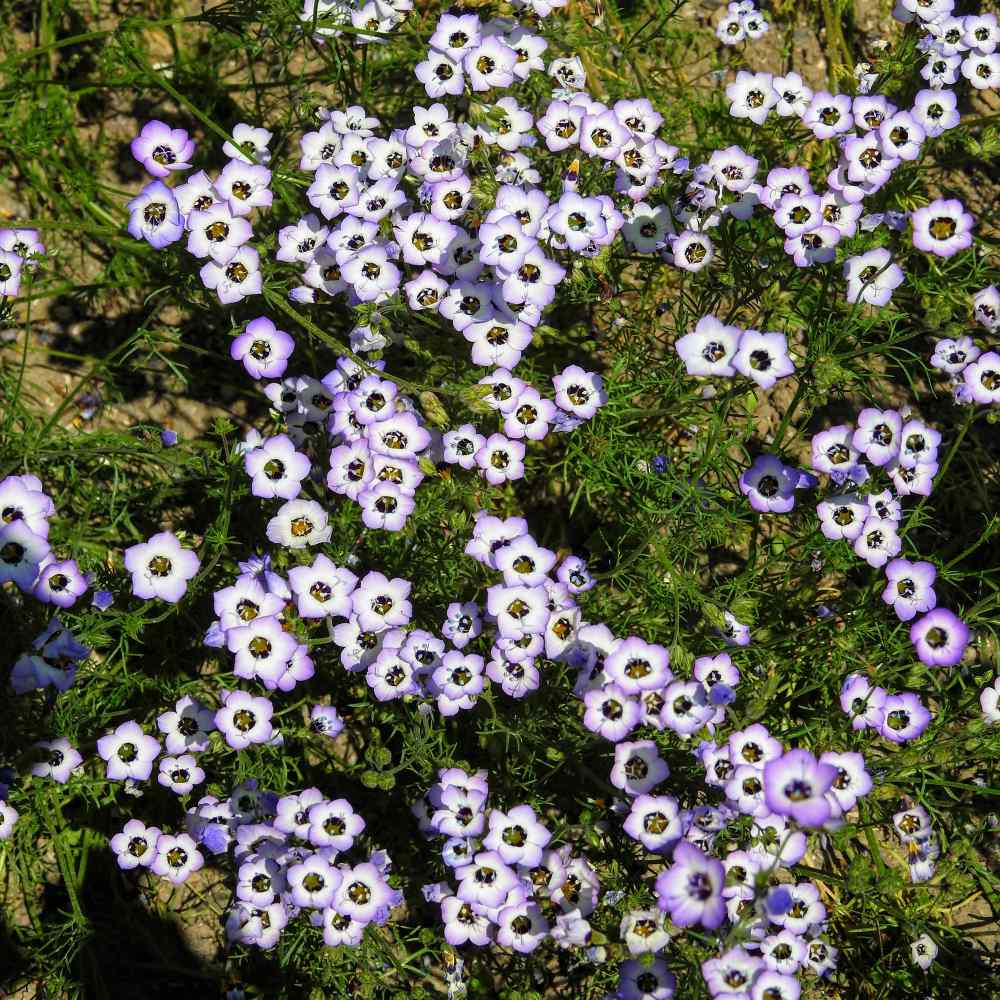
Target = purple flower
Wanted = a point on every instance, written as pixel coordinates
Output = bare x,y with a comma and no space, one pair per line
879,435
940,638
11,266
501,459
326,720
487,880
313,882
236,279
299,523
828,115
176,857
943,227
735,969
23,243
691,251
910,588
610,712
135,845
162,149
685,707
129,752
187,726
982,378
57,759
263,349
952,356
691,889
276,468
180,774
772,985
872,277
244,719
904,717
22,499
638,767
796,784
464,922
154,216
262,648
334,824
322,589
863,702
640,981
638,666
380,602
216,233
490,64
936,111
60,583
244,186
709,349
878,541
752,95
161,567
769,485
734,632
578,220
517,836
852,781
654,820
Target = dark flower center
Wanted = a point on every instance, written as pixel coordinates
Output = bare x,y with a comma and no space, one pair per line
695,253
514,836
768,486
247,610
153,214
942,228
713,352
259,647
612,709
237,272
655,823
301,526
699,887
798,790
898,720
359,893
636,768
244,720
936,638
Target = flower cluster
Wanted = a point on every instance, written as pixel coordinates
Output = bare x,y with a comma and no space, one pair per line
716,348
27,561
19,249
897,718
741,22
445,221
512,888
974,374
382,446
367,22
288,854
